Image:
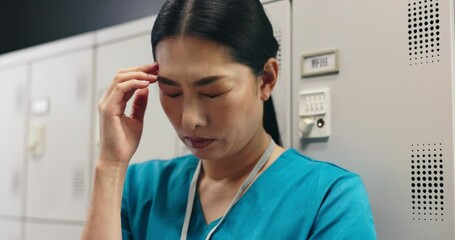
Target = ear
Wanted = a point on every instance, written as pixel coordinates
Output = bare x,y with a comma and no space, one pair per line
269,78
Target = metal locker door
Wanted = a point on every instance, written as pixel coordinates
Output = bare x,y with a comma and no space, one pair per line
13,104
392,105
37,231
158,138
10,229
60,127
279,13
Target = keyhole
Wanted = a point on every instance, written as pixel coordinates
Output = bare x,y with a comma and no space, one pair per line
320,123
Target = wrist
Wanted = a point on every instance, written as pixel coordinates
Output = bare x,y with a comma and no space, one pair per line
107,161
111,168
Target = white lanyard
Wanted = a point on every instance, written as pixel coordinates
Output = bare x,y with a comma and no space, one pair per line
189,207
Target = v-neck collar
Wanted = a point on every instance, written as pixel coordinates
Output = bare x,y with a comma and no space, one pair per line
198,205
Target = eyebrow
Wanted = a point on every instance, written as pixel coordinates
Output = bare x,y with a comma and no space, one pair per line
199,83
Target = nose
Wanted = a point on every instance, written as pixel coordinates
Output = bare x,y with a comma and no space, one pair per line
193,115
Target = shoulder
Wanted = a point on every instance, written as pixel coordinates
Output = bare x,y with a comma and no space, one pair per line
335,196
311,181
314,171
318,179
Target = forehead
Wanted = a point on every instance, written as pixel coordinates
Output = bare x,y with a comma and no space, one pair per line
188,50
187,59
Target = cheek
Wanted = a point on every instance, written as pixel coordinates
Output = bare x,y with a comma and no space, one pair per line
171,109
237,110
224,112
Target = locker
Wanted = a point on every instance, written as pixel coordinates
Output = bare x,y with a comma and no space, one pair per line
391,105
10,229
279,13
60,126
158,138
14,105
48,231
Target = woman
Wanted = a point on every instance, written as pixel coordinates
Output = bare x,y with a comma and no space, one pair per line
216,68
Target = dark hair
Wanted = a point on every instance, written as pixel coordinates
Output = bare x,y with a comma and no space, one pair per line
241,25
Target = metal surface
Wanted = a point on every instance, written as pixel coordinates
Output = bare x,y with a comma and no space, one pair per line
13,104
392,99
58,178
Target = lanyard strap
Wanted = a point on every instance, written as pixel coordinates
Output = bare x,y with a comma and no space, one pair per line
189,207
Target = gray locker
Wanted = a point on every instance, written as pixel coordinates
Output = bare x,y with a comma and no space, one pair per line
14,107
158,138
279,13
48,231
391,105
10,229
60,139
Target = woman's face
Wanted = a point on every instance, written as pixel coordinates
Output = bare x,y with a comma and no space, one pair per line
213,102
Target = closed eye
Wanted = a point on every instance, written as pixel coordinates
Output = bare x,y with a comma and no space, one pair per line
174,95
212,95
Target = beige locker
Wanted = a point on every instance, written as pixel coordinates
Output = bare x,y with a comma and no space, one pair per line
49,231
60,127
11,229
13,125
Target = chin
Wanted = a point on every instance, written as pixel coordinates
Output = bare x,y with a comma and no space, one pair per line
203,153
209,152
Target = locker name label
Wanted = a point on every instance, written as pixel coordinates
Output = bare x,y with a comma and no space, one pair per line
321,63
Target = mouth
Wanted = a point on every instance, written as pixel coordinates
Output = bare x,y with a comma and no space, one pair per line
198,143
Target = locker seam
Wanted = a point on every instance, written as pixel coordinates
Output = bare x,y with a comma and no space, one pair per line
92,124
291,66
25,159
53,221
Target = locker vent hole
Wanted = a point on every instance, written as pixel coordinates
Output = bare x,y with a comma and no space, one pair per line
423,31
82,88
427,182
278,36
78,182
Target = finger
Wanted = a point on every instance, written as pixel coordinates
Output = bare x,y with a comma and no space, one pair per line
129,94
140,104
122,77
149,68
117,100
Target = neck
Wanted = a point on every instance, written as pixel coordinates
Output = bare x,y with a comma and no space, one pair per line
237,166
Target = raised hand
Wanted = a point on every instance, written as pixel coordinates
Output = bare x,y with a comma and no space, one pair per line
120,134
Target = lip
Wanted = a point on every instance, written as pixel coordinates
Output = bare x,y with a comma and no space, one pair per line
198,143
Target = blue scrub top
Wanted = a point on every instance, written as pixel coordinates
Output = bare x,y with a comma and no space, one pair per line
295,198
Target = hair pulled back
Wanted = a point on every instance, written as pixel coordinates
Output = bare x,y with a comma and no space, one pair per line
240,25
